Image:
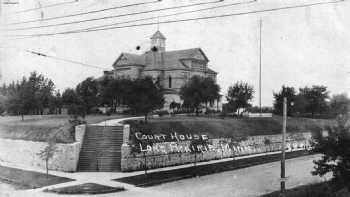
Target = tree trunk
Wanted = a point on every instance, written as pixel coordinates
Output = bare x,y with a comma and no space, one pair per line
146,118
47,168
22,116
217,105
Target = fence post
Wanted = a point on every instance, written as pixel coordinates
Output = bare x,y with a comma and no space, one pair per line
145,160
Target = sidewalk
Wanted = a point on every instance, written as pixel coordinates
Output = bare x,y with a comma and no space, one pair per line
107,178
117,122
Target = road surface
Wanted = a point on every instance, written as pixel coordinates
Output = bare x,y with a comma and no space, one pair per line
252,181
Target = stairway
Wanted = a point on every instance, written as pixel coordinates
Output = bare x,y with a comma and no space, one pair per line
101,149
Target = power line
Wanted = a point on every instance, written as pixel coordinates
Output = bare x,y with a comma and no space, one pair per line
115,16
160,16
48,6
182,20
85,13
56,58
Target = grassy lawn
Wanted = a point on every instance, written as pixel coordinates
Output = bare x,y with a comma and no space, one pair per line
156,178
228,127
27,179
87,188
40,128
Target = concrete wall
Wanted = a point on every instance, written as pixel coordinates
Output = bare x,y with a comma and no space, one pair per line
169,156
25,153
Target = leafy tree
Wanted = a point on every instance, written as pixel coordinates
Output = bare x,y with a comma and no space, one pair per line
300,104
339,104
316,98
56,103
198,91
73,103
239,95
192,94
28,96
2,103
87,91
20,98
144,96
107,88
210,91
47,153
287,92
335,150
42,90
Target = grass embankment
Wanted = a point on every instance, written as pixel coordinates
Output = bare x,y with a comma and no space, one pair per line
41,128
87,188
22,179
228,127
156,178
324,189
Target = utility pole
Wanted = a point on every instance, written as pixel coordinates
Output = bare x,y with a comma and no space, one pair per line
283,167
260,37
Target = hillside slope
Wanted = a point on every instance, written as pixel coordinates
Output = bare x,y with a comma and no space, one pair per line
228,127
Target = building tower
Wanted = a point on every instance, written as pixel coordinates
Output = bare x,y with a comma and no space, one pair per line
158,42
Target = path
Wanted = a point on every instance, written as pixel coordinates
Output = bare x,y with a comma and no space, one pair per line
250,181
117,122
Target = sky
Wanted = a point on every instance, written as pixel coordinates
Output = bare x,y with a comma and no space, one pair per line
300,47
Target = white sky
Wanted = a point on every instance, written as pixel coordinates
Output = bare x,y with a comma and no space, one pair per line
301,47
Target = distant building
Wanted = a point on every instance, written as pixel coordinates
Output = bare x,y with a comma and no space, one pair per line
171,69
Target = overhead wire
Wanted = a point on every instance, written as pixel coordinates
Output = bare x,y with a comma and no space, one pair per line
85,13
160,16
43,7
115,16
55,57
24,36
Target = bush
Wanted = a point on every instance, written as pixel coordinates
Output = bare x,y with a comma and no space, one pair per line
162,113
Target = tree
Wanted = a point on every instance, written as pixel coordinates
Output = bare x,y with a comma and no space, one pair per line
198,91
47,153
339,104
73,103
335,150
28,96
20,98
239,95
2,103
55,103
210,91
87,91
144,96
316,99
287,92
191,94
300,104
107,89
42,89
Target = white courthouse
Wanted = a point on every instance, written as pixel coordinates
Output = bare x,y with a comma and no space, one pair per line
172,69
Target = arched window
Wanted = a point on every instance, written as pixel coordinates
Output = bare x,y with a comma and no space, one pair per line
170,80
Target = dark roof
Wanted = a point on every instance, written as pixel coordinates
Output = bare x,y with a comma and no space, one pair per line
170,59
129,59
158,34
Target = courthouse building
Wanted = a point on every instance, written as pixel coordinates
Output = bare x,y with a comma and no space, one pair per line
172,69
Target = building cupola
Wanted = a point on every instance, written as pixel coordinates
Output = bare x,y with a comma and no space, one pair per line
158,42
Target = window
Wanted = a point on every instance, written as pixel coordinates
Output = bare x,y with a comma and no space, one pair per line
170,80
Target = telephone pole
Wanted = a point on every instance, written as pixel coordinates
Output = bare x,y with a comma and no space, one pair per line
283,167
260,37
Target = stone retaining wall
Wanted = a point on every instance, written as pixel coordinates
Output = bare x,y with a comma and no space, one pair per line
132,161
23,153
